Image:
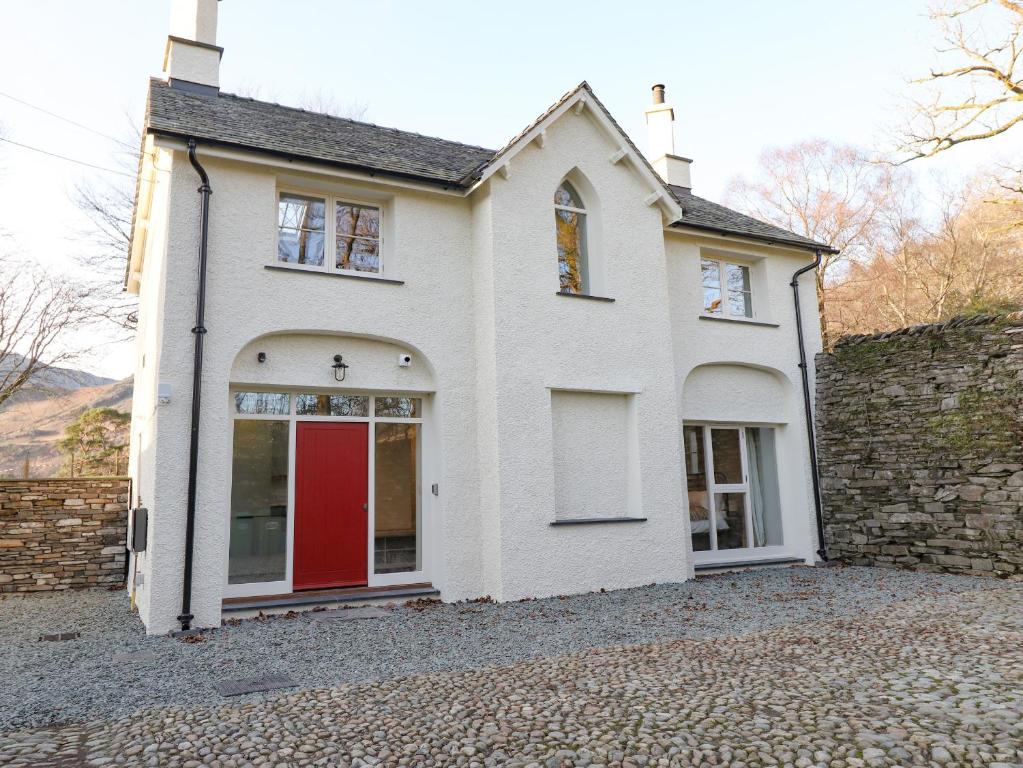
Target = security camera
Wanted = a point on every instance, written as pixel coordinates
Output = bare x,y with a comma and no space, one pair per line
404,359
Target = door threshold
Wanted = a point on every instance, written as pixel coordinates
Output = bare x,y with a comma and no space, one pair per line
326,597
744,562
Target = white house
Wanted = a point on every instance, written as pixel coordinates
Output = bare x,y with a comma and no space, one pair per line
425,367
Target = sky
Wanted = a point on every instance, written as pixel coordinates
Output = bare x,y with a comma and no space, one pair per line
742,76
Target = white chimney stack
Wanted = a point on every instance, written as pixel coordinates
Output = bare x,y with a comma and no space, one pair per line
192,59
660,125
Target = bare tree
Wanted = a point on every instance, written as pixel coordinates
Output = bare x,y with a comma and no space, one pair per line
830,193
965,262
37,312
979,94
108,206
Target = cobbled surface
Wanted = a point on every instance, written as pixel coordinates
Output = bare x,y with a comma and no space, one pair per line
927,670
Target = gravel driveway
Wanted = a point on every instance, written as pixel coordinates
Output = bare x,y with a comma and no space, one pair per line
913,665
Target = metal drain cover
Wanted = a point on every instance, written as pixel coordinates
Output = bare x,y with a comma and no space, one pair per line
60,636
239,686
136,657
351,614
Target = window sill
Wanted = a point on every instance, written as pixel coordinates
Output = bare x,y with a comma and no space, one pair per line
597,520
740,320
346,275
582,296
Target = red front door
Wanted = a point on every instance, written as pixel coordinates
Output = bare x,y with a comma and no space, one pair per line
331,485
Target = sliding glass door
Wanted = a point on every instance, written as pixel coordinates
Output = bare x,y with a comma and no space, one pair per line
732,482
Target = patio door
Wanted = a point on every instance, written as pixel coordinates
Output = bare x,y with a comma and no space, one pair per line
728,486
732,480
331,505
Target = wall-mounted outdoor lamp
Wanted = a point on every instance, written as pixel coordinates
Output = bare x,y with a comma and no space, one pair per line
340,367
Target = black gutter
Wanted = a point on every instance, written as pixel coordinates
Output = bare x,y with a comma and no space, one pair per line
822,551
198,332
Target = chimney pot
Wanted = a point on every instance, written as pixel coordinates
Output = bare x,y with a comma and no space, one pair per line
660,123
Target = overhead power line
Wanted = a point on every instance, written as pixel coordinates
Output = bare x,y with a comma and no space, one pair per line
66,159
65,119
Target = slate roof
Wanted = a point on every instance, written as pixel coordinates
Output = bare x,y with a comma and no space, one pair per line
235,121
699,213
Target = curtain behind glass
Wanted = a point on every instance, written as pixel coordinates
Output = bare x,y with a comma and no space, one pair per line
756,490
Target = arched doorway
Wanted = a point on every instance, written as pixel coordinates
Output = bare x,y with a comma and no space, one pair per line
734,437
327,467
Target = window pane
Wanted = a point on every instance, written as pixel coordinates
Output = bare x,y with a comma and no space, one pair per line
397,499
274,403
724,444
696,483
711,276
571,239
730,511
740,304
738,277
332,405
358,254
711,271
566,195
712,300
259,502
357,220
764,496
299,212
300,246
739,292
399,407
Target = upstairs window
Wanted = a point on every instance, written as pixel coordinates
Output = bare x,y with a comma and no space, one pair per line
727,290
570,224
301,228
305,230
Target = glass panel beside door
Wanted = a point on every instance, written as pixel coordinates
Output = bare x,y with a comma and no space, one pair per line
732,483
259,502
397,529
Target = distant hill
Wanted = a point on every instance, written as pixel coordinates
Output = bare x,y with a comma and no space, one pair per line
50,381
33,420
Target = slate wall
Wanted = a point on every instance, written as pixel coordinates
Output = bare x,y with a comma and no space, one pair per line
921,447
62,533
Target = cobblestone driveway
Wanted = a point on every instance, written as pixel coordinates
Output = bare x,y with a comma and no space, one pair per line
935,680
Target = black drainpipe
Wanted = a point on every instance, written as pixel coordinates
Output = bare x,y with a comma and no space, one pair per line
197,334
822,551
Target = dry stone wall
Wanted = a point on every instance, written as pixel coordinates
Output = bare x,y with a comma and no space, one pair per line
920,434
62,533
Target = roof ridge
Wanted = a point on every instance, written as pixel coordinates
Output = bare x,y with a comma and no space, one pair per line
471,176
930,329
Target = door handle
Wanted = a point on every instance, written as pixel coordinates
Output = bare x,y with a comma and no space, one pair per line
365,507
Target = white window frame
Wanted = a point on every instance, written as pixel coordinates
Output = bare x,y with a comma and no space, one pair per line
329,232
723,265
373,579
714,488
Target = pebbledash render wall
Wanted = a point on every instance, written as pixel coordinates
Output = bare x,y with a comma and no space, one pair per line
921,447
62,533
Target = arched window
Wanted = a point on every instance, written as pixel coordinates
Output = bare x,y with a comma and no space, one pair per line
570,221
